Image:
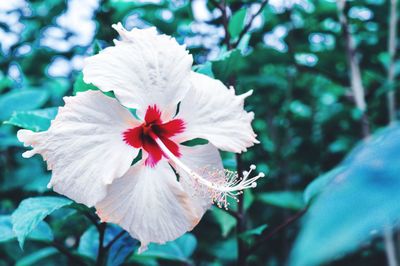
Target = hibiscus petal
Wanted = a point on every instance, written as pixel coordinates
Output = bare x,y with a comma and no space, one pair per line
213,112
205,160
142,69
149,203
84,146
170,128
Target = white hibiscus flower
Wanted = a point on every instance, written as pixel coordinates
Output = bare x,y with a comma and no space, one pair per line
93,140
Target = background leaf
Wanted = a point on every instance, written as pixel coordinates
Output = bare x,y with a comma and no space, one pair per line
236,23
31,212
360,201
121,249
21,100
37,120
36,257
178,250
285,199
225,221
229,64
41,232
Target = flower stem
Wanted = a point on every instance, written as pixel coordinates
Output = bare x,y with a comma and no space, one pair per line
241,217
392,44
101,255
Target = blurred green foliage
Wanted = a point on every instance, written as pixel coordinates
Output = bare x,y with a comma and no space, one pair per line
293,58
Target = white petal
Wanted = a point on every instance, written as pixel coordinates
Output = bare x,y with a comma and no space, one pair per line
205,160
149,203
84,146
213,112
142,69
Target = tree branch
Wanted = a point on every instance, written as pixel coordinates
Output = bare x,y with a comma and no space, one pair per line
92,219
217,5
232,213
275,231
392,43
248,25
75,259
225,22
355,73
240,217
118,236
101,255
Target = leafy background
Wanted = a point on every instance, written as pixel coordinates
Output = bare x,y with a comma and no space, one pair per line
331,195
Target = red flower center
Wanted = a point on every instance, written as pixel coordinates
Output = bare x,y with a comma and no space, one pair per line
144,135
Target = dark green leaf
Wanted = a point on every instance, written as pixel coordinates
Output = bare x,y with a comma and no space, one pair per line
194,142
253,232
229,64
224,219
285,199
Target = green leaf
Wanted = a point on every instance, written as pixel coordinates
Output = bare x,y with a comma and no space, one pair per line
41,232
285,199
37,120
236,23
31,212
360,199
248,199
205,69
253,232
37,256
21,100
384,59
225,221
80,85
178,250
229,64
96,47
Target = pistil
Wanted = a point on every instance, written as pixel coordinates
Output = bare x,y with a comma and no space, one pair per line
232,184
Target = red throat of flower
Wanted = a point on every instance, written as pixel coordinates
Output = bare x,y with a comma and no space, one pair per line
144,135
